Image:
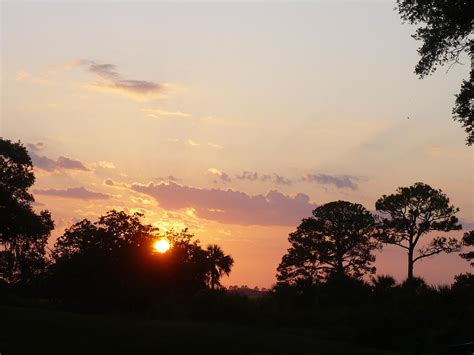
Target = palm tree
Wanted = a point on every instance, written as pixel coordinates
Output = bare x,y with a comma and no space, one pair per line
219,264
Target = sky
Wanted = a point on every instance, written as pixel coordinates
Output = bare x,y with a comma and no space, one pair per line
232,119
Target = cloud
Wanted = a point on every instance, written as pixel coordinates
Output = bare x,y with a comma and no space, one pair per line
247,175
105,164
220,174
170,178
254,176
340,181
155,112
280,180
109,182
62,163
114,82
44,163
192,143
214,145
466,225
74,192
36,147
229,206
22,74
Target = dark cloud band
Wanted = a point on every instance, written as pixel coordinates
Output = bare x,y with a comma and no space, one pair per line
229,206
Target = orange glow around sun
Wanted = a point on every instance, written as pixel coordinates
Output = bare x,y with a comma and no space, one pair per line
161,246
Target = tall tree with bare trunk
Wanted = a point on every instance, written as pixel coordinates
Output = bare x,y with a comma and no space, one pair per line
413,212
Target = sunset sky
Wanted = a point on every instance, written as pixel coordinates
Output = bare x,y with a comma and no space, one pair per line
233,119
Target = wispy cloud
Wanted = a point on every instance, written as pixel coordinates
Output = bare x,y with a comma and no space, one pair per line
281,180
219,174
22,74
254,176
229,206
214,145
339,181
75,192
156,112
192,143
105,164
247,175
112,81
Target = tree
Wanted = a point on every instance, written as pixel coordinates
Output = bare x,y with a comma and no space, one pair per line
23,232
112,262
444,28
463,110
336,240
468,241
104,261
218,263
411,214
113,232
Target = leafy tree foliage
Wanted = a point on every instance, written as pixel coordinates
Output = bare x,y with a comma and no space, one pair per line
23,233
219,264
444,28
337,239
468,241
410,214
463,110
112,262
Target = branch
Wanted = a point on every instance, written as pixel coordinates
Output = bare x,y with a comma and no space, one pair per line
439,245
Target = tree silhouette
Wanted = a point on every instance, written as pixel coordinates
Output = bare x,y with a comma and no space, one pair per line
218,263
112,261
337,239
410,214
114,231
468,241
463,110
23,233
444,31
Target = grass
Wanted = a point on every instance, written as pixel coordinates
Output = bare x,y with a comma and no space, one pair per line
43,331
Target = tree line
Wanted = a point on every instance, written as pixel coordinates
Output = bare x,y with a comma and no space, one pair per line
340,238
325,281
99,261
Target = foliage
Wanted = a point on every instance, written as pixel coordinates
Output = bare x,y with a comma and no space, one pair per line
219,264
463,110
410,214
444,28
468,241
336,239
23,232
112,262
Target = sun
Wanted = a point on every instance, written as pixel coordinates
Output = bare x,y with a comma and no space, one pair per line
161,246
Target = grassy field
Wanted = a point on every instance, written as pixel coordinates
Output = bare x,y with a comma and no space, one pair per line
42,331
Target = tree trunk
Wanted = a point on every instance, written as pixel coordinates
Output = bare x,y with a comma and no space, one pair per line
213,280
410,264
340,270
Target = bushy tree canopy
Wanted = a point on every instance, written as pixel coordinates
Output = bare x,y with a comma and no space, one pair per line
336,239
23,232
113,259
468,241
